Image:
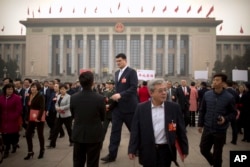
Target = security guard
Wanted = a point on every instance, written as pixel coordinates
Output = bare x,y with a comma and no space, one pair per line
107,93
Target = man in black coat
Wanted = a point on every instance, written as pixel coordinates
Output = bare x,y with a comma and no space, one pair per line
156,126
126,82
88,109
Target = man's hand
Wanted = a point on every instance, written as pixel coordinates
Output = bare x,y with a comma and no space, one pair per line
221,121
131,156
200,129
116,97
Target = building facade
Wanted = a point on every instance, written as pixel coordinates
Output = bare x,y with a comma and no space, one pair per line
173,47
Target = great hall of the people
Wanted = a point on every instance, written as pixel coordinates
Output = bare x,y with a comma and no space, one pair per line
173,47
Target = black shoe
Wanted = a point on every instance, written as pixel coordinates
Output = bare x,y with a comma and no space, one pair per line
50,147
15,148
108,158
244,140
40,154
30,155
71,144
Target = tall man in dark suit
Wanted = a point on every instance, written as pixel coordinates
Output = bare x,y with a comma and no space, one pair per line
88,109
126,82
156,125
183,96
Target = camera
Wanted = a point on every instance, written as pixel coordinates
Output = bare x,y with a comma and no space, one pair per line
219,118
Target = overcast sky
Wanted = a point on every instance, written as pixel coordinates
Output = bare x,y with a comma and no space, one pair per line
234,13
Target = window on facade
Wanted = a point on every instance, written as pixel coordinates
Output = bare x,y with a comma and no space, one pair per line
57,64
80,43
171,44
57,43
226,47
17,46
159,65
120,46
80,61
69,61
135,53
92,54
183,43
8,58
236,47
148,54
182,64
159,43
170,64
104,54
69,43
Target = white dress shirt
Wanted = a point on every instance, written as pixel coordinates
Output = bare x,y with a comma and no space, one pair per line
158,118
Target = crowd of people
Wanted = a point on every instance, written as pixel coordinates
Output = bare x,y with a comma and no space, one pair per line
156,113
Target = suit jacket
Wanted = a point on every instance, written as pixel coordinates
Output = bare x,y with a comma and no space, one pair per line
37,103
127,87
182,99
88,109
64,105
171,92
142,132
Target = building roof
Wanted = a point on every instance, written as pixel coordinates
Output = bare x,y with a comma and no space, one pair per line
232,38
38,22
11,38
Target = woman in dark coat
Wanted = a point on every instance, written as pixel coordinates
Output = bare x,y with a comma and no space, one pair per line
35,102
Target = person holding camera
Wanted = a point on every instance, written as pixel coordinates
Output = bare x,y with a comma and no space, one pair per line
216,111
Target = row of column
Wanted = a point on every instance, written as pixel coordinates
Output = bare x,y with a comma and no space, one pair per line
110,60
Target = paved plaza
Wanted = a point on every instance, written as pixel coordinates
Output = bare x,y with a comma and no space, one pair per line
61,156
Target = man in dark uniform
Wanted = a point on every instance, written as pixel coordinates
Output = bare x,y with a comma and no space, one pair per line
107,93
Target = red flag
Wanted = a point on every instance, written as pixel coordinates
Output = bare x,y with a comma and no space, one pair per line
210,11
164,9
199,10
189,9
60,9
95,9
28,11
241,30
128,10
220,27
119,5
110,10
2,29
176,9
141,9
50,10
73,10
39,10
85,10
153,9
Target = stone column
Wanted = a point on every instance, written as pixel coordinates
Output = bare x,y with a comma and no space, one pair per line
73,54
61,53
142,53
166,55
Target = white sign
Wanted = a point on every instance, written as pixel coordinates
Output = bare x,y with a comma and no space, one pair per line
145,75
240,75
201,75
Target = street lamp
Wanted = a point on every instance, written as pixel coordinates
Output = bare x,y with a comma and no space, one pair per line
5,71
17,73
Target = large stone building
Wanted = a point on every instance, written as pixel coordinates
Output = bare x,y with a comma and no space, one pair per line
172,47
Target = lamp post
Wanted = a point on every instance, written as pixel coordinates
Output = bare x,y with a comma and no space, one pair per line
5,71
17,73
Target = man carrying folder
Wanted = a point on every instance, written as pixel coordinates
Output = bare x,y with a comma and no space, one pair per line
157,128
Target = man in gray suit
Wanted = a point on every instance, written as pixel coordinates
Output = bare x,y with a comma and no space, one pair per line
88,109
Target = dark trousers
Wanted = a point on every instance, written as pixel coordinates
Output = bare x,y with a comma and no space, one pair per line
58,125
163,156
29,133
24,117
234,131
118,119
215,140
105,125
192,118
186,116
86,151
51,119
10,139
